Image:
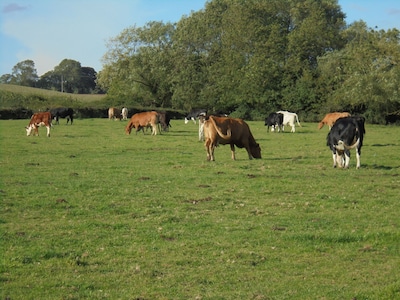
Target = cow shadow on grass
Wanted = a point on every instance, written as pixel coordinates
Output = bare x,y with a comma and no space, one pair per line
381,167
383,145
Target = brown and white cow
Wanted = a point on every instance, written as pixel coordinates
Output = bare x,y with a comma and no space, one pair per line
331,118
114,113
39,119
142,120
235,132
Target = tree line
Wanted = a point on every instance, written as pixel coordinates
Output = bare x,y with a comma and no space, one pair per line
69,77
251,57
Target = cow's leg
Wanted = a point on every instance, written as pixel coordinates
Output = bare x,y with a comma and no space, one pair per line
154,129
358,155
48,131
209,149
293,128
201,131
346,159
334,156
233,151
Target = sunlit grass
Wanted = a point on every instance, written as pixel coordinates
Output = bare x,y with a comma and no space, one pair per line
92,213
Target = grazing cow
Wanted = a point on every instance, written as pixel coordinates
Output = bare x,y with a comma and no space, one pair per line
346,134
331,118
165,120
142,120
62,112
235,132
39,119
273,120
195,113
392,118
124,113
114,113
290,119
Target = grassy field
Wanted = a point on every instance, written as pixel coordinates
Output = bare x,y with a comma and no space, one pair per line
28,91
91,213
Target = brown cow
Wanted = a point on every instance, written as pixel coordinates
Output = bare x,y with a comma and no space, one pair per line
114,113
39,119
235,132
142,120
331,118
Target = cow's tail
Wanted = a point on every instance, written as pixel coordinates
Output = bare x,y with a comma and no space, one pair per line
297,119
221,134
342,145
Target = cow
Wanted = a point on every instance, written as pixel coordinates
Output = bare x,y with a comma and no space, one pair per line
392,118
331,118
142,120
114,113
165,120
347,133
62,112
124,113
235,132
39,119
289,118
194,114
274,120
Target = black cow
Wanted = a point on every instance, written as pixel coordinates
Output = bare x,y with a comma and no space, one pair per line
273,120
62,112
392,118
165,120
346,134
194,114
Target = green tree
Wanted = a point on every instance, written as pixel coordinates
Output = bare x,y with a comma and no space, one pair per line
364,77
24,73
139,64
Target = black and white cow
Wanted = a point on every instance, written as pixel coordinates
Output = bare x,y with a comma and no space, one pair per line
62,112
274,120
346,134
194,114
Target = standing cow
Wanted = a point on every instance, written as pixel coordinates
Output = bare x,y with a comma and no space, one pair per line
289,118
141,120
37,120
274,120
124,113
331,118
235,132
194,114
62,112
114,113
346,134
165,120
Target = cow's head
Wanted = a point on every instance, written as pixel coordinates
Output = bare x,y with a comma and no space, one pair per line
255,151
29,129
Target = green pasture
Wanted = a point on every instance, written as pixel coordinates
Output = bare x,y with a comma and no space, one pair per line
91,213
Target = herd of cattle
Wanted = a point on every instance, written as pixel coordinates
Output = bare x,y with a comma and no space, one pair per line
346,132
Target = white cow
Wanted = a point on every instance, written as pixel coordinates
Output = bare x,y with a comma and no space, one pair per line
202,119
124,113
290,119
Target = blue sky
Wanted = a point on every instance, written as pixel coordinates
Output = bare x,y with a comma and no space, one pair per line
48,31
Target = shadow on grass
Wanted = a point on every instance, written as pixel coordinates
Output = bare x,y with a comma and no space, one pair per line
381,167
383,145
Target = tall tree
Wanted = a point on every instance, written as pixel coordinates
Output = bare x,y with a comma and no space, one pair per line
24,73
